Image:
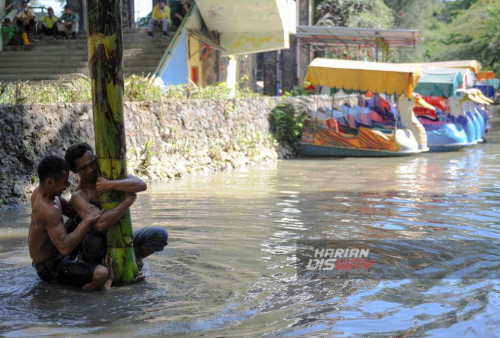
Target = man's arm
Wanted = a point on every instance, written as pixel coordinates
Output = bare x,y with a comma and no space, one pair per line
108,217
65,243
154,15
67,209
130,184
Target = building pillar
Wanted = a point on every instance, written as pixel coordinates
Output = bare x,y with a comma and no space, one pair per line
288,66
84,16
232,71
247,71
128,17
305,19
2,11
270,75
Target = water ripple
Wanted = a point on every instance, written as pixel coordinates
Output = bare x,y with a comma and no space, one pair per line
230,268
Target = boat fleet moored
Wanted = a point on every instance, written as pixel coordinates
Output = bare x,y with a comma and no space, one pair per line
435,108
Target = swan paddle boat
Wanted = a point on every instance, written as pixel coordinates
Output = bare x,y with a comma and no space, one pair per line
326,134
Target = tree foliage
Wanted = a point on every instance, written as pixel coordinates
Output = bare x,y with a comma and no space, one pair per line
451,30
354,13
411,14
454,8
421,15
472,33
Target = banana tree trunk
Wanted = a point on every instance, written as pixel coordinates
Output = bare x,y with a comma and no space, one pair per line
105,50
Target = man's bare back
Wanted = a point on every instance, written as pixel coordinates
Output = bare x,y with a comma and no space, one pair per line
40,246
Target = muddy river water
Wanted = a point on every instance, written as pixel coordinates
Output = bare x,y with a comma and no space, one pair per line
230,268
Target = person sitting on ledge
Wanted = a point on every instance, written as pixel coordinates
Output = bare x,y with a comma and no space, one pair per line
10,33
25,21
180,13
49,243
160,16
83,162
48,24
67,24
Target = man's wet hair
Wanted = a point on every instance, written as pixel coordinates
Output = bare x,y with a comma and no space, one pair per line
76,151
67,7
52,167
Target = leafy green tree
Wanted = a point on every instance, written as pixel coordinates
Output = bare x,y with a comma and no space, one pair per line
411,14
354,13
453,9
473,34
421,15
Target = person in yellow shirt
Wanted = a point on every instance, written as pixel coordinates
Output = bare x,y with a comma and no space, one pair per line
47,24
160,16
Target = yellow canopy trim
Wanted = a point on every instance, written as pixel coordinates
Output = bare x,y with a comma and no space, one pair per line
364,76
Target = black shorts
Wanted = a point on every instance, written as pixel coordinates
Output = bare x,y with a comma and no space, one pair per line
65,270
147,241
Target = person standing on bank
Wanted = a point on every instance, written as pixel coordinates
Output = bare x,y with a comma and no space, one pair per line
160,16
49,243
83,162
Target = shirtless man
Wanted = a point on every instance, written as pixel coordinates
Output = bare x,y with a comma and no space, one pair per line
49,243
83,162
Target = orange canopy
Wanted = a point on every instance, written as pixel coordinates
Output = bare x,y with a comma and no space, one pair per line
485,75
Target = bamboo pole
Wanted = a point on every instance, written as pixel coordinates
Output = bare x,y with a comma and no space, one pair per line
105,53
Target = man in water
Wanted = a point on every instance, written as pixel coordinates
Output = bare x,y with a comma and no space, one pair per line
83,162
49,243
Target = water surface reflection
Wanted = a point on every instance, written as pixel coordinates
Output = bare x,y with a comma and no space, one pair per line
230,266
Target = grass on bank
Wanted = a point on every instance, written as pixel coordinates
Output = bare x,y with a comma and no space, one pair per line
137,88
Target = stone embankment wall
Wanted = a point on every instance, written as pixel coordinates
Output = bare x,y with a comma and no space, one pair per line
163,140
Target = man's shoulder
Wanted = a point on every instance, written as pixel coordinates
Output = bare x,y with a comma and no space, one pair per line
45,211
